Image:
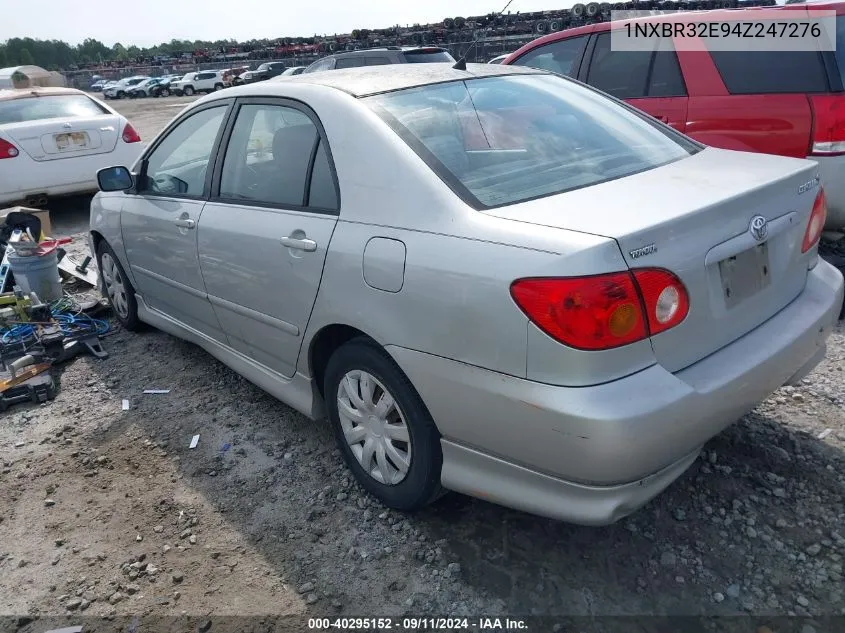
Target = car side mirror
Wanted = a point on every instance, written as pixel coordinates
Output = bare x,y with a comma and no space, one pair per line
114,179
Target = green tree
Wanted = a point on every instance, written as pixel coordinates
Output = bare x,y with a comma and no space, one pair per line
25,57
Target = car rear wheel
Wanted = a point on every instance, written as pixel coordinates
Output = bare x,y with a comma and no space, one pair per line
188,91
117,288
383,429
121,95
164,93
218,87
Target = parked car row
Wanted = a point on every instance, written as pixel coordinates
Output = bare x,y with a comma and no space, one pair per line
190,83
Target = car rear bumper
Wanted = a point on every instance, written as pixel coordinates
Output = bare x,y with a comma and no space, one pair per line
592,455
61,177
832,173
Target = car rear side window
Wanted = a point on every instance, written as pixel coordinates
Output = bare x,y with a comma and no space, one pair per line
771,72
428,56
622,74
49,107
377,61
349,62
504,140
560,57
666,78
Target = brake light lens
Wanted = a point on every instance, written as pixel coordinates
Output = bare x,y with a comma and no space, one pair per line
7,150
603,311
815,226
130,135
828,125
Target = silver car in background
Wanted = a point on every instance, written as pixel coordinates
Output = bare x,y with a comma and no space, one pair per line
495,280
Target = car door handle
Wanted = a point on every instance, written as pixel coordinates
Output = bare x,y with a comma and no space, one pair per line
185,223
303,244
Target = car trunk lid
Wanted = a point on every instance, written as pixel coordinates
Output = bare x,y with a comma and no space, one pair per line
56,139
692,217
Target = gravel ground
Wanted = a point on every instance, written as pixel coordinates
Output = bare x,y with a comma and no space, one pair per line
108,512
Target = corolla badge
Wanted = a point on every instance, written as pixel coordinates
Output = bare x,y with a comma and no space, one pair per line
758,227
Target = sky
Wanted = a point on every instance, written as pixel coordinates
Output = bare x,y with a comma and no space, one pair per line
149,22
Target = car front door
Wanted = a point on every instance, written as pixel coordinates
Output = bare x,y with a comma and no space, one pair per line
159,218
264,234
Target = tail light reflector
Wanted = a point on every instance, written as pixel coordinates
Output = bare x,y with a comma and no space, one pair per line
7,150
130,135
815,226
603,311
828,125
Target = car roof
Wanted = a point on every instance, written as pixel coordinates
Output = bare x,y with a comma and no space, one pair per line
25,93
370,80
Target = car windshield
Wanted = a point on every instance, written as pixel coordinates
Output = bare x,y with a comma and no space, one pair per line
428,56
48,107
263,67
503,140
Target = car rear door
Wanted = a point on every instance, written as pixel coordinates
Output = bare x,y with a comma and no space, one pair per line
265,233
753,100
649,80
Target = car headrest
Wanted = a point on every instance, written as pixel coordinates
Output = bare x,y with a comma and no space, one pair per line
293,141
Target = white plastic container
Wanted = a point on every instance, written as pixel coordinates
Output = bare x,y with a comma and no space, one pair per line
37,273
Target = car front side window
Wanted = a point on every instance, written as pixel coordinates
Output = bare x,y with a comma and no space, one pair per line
179,164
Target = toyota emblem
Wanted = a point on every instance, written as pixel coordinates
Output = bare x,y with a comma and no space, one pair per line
759,228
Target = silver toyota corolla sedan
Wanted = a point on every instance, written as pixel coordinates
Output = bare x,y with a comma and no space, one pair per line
495,280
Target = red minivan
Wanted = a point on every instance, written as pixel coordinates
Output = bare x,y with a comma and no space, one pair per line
786,102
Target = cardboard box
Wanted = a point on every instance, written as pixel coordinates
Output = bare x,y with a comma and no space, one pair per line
41,214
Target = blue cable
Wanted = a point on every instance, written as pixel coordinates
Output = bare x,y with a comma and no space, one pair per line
69,323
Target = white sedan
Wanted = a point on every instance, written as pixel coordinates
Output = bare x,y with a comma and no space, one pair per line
54,140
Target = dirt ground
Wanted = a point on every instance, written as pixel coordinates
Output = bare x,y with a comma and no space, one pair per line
107,512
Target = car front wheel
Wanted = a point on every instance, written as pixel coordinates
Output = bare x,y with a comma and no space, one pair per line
384,430
164,93
121,95
117,288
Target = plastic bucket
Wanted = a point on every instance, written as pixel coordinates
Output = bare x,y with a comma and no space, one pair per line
37,273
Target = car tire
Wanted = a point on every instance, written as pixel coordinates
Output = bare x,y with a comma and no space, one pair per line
401,467
117,288
164,93
121,95
218,87
188,91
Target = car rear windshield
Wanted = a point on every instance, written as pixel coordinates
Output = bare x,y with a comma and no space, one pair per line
504,140
424,56
48,107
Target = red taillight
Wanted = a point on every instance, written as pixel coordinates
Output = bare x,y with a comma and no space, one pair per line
130,135
7,150
818,216
603,311
828,125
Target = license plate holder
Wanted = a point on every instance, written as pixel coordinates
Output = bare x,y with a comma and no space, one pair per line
745,274
69,141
